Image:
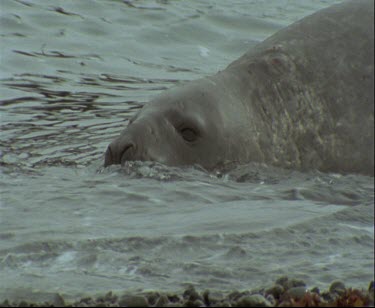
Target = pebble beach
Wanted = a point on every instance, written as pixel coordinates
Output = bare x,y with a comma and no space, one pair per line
284,292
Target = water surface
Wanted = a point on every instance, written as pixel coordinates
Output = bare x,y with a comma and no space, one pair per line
72,73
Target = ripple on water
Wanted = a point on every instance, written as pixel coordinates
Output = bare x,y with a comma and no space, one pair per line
72,75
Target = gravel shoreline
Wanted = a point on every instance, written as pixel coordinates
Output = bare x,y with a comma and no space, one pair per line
284,292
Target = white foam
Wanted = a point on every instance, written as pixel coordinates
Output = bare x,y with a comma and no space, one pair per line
203,51
66,257
369,229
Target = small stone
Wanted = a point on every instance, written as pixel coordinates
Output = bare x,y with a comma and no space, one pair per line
285,304
212,298
224,303
337,287
371,286
255,300
326,296
191,294
86,300
235,295
133,301
58,301
177,304
271,299
371,294
206,297
109,297
296,293
173,298
315,290
152,297
287,283
162,301
100,299
282,281
198,303
195,303
276,291
294,283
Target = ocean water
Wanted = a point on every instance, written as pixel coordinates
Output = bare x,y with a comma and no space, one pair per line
72,73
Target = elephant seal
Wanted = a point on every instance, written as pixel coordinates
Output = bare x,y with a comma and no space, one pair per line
303,99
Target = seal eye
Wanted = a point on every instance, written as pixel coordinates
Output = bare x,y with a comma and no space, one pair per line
188,134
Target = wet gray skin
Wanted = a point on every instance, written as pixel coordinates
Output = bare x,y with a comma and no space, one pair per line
301,99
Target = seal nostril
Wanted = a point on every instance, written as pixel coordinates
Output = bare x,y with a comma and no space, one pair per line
126,153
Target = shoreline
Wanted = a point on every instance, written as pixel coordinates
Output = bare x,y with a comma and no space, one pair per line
284,292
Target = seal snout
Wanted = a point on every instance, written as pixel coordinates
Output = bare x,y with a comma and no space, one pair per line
118,152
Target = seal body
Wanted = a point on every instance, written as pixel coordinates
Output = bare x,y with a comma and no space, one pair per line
303,99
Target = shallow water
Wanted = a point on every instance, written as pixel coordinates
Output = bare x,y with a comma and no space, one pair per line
72,73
